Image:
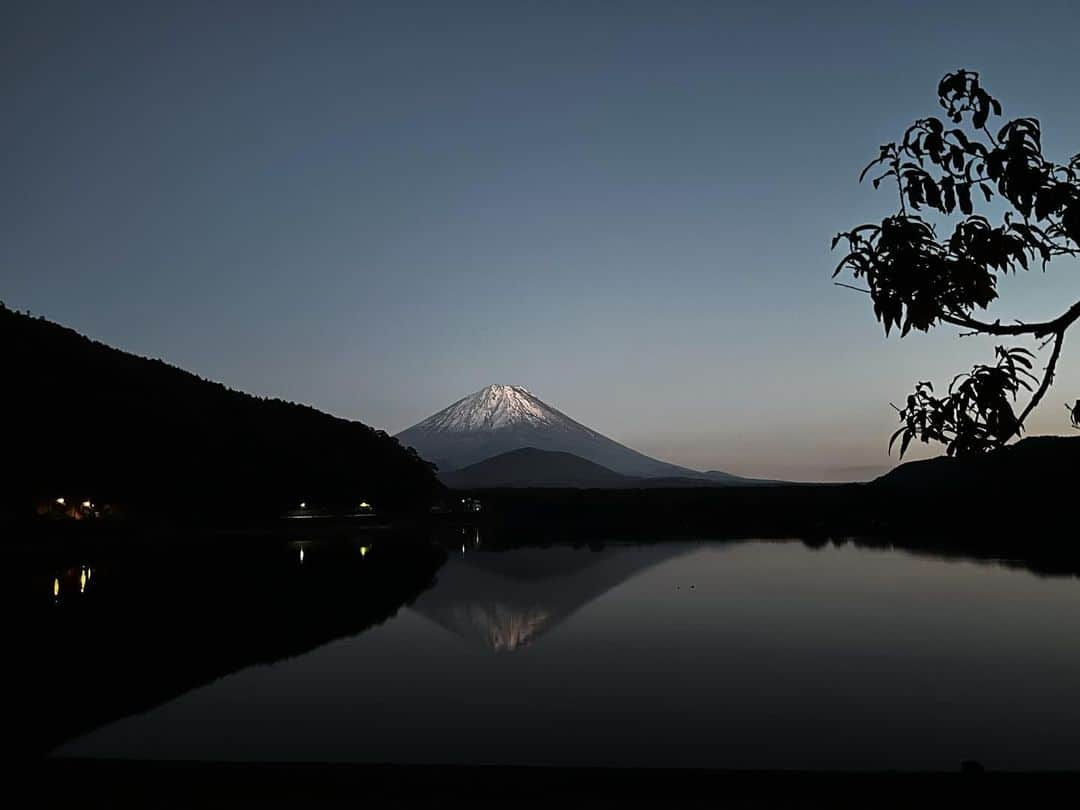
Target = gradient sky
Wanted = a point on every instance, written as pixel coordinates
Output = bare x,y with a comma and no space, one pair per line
377,208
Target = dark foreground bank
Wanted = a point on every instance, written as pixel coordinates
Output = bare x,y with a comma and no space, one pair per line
149,784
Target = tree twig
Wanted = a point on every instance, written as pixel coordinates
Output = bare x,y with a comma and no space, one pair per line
1048,378
851,287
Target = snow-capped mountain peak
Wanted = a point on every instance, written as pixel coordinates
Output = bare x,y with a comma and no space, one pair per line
494,408
502,418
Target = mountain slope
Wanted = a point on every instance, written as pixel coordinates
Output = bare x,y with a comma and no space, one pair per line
83,420
552,469
501,418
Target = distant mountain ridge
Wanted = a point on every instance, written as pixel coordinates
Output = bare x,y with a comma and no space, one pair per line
531,467
501,418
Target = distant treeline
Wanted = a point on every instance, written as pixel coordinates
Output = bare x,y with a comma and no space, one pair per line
1020,497
84,421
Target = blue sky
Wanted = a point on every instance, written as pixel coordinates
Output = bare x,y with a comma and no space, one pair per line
626,207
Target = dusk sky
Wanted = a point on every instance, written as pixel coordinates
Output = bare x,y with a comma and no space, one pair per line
378,208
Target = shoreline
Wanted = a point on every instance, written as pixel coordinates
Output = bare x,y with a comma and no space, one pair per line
141,783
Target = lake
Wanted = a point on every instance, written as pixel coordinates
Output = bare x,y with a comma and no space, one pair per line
735,655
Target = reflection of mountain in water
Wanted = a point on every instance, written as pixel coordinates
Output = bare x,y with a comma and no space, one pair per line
506,600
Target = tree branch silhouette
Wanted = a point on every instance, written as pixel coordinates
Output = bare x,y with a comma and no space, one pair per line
918,280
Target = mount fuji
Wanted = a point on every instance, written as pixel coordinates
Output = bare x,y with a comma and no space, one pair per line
501,418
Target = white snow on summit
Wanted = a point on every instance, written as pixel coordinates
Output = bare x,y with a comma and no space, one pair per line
494,408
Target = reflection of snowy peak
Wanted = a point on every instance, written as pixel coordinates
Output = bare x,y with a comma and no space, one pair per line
500,627
501,418
506,600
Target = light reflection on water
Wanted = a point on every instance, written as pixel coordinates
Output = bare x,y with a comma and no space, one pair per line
749,655
67,580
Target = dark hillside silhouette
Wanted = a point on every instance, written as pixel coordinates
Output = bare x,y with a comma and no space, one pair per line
531,467
86,422
1037,463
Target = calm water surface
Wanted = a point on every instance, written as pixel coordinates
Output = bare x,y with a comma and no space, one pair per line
741,655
